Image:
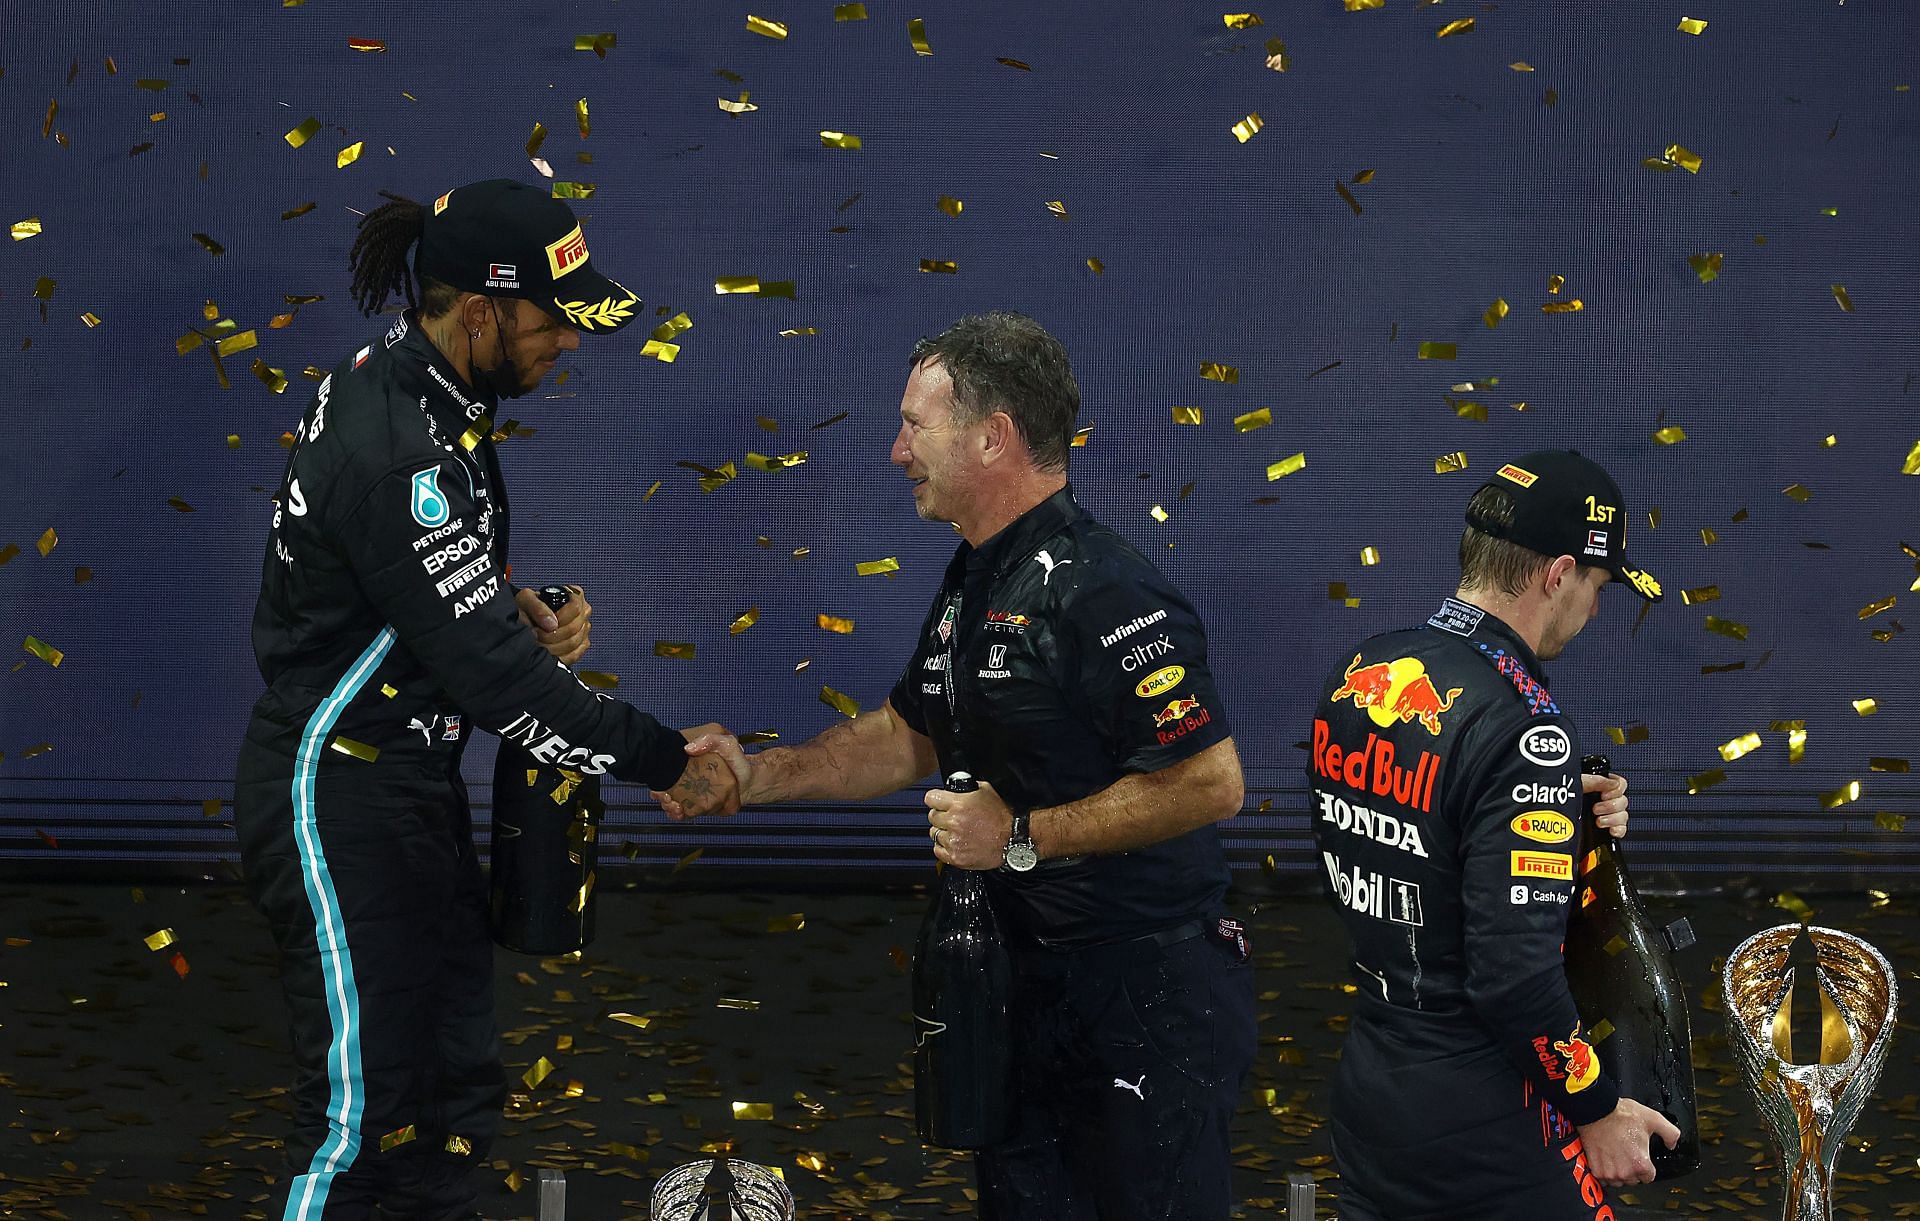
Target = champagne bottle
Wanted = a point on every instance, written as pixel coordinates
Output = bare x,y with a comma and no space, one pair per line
545,847
1632,1006
962,985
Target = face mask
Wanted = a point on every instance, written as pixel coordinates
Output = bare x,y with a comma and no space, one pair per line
503,381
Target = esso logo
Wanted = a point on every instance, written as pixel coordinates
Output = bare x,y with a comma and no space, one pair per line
1543,826
1546,745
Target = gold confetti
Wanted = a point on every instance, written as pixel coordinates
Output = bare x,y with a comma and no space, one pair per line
752,1110
1495,312
1438,351
775,30
212,247
1705,780
948,267
1796,744
348,155
1080,437
849,12
160,940
835,624
680,649
781,462
1726,627
665,353
1845,794
1792,903
839,701
1564,307
179,505
1243,130
8,552
580,116
541,1070
1277,57
1692,25
1694,597
1830,440
1229,374
787,924
1455,461
358,750
1369,556
1158,514
371,45
1286,466
1188,415
299,136
599,680
48,542
1912,465
917,33
1672,434
811,1161
1347,195
1740,747
743,106
1866,707
573,190
1882,764
232,344
750,617
1058,207
24,229
1706,266
1890,822
538,138
211,807
874,568
1794,491
1462,26
1840,296
735,1002
838,139
1866,612
1356,6
45,652
632,1019
599,44
1708,536
950,205
679,324
1683,157
1520,65
1251,420
275,379
393,1140
1242,21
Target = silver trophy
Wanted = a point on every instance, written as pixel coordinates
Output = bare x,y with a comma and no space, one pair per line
1808,1108
722,1189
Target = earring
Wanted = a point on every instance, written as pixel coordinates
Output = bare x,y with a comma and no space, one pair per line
473,334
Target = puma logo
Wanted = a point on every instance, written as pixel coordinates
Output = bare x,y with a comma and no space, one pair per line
1139,1087
425,728
929,1028
1045,560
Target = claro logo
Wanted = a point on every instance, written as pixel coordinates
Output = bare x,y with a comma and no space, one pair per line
1546,745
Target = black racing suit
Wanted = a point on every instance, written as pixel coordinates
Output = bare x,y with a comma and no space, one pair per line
1054,662
1445,801
386,632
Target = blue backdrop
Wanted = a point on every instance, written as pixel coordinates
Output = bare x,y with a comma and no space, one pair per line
1400,183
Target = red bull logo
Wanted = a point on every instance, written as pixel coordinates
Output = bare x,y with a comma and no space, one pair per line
1396,692
1008,618
1179,718
1175,709
1374,769
1581,1067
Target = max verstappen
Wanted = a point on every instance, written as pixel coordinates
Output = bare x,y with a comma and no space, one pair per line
387,632
1445,796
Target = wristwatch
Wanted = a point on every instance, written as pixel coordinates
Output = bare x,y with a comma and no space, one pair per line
1020,856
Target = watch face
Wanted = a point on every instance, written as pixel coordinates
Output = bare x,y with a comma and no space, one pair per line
1021,857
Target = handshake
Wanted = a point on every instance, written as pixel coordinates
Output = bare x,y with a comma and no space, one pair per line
718,780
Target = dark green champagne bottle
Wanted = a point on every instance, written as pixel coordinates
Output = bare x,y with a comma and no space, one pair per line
1631,1003
545,847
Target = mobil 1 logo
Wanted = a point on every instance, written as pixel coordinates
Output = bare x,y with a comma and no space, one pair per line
1373,894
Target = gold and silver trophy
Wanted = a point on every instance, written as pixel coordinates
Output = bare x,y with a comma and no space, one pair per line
1809,1107
723,1189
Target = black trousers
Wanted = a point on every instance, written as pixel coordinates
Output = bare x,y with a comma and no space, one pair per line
378,909
1461,1140
1128,1064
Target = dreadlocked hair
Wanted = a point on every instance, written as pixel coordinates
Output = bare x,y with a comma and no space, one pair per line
379,260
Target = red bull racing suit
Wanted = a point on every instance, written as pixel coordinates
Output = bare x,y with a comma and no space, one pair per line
387,635
1445,798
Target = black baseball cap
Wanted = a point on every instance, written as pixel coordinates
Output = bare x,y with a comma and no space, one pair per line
507,239
1565,504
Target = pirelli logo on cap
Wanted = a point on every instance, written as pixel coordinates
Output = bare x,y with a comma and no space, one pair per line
567,253
1557,866
1518,474
440,204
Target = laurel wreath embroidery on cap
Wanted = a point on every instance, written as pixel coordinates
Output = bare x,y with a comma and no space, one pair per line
1645,583
608,312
